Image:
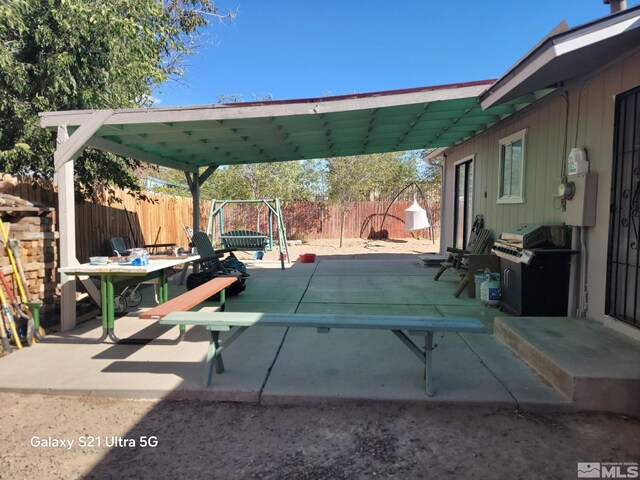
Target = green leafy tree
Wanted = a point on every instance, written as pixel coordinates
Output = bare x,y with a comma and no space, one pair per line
283,180
239,98
86,54
430,171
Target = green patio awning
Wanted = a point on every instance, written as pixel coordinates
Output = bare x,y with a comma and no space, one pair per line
205,137
212,135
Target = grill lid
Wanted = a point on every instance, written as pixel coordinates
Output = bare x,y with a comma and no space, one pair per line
532,235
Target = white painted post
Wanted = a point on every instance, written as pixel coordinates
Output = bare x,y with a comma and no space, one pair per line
67,225
68,149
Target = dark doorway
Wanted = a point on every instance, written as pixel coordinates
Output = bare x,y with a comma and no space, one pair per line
623,259
462,212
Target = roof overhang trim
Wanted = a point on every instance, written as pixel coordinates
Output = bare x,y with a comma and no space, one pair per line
318,106
188,138
562,56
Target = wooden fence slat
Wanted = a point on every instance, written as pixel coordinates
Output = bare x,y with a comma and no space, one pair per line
96,223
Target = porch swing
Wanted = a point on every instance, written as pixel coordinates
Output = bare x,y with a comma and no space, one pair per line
250,240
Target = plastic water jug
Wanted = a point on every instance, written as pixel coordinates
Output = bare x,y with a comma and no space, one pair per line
490,289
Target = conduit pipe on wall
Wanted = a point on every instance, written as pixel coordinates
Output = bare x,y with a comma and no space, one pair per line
583,303
574,279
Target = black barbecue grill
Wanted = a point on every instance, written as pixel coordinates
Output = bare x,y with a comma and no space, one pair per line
534,266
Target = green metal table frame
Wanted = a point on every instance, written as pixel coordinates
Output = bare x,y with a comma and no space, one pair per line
108,307
107,291
217,322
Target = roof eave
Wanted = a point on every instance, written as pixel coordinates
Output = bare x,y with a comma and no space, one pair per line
554,46
223,112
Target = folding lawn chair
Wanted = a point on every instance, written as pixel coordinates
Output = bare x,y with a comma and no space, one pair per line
210,258
458,261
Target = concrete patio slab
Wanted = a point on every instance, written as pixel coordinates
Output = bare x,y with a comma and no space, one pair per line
267,268
369,267
383,289
522,382
265,307
368,309
596,367
277,365
273,289
377,289
373,365
143,371
373,256
476,310
445,296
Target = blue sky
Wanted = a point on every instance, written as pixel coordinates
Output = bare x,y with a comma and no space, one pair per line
311,48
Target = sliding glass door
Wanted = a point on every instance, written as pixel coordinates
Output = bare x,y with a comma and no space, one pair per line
463,209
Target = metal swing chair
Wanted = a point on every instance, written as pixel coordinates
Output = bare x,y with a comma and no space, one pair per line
250,240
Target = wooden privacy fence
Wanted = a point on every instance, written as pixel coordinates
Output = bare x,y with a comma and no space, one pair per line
161,220
311,220
158,221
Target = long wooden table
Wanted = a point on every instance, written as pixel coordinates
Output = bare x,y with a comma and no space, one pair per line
112,271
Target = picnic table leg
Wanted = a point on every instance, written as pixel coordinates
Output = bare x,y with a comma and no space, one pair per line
428,368
105,302
212,359
163,296
162,293
215,338
222,300
110,306
104,298
165,285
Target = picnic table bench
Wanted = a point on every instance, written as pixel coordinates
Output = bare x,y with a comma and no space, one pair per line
187,301
244,240
216,322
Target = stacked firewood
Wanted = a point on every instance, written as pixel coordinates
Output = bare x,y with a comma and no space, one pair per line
32,224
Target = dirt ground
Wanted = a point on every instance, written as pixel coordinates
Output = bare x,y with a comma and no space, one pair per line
197,440
356,248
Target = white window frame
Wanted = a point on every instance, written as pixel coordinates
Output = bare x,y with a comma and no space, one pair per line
514,137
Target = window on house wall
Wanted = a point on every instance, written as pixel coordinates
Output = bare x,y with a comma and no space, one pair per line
511,180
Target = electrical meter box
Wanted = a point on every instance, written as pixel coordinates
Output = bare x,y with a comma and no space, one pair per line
577,162
581,208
